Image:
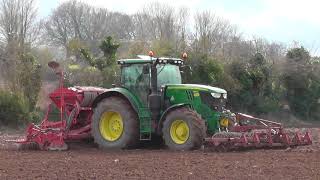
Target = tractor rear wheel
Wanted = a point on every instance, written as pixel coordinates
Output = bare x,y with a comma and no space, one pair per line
115,124
183,129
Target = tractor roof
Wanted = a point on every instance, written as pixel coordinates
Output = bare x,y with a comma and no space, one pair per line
147,59
134,61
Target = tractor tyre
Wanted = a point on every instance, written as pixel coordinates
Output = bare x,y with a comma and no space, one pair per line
183,129
115,124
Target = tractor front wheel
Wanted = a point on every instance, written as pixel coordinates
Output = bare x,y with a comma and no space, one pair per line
115,124
183,129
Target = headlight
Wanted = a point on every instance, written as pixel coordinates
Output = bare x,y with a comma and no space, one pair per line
216,95
225,96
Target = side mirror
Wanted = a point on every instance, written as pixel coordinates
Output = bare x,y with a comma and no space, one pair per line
146,69
186,68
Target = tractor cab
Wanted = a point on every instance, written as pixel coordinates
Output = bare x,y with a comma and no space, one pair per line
136,74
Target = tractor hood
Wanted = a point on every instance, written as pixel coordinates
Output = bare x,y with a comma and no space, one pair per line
197,87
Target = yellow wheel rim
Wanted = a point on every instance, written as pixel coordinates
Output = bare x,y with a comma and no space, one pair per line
111,126
224,122
179,131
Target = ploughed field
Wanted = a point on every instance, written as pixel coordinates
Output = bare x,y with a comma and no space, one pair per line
86,161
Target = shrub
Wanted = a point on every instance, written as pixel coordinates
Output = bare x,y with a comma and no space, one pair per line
13,109
36,116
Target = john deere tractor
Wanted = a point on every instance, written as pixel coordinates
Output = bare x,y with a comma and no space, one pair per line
151,100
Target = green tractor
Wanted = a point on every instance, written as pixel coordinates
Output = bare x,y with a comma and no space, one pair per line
152,101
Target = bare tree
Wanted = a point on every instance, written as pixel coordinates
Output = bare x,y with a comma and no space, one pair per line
203,29
17,32
96,25
163,19
212,32
154,21
120,26
181,29
59,29
143,27
74,20
18,21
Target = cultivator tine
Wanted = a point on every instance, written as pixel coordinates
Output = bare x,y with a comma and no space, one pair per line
244,140
45,139
256,139
308,138
28,146
298,138
286,139
24,144
226,141
302,139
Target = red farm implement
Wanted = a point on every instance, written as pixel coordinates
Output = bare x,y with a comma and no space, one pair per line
257,133
74,121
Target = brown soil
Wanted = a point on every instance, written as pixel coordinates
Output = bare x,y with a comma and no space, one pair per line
85,161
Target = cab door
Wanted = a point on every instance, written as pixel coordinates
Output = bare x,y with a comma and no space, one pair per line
136,81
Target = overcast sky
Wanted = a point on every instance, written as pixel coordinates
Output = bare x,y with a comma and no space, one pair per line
276,20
